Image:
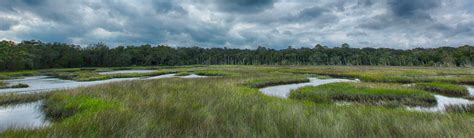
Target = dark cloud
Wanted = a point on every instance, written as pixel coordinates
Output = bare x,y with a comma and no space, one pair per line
365,2
7,23
167,7
312,13
51,10
403,13
241,23
357,33
412,8
378,22
244,6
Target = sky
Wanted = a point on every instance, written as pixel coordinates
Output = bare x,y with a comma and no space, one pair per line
401,24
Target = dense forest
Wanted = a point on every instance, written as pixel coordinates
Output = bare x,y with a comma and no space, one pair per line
38,55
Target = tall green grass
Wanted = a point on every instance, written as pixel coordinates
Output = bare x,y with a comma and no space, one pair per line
7,99
272,81
132,75
460,108
228,106
2,84
444,89
183,74
10,75
393,74
213,73
373,94
94,75
470,98
217,107
82,75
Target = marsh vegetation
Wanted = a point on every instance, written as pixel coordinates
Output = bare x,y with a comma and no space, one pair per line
232,105
4,85
365,93
444,89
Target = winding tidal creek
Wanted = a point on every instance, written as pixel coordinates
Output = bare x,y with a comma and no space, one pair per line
30,115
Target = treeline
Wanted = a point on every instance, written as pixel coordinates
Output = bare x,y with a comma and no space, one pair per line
39,55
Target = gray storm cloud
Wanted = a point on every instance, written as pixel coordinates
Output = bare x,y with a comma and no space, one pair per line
242,23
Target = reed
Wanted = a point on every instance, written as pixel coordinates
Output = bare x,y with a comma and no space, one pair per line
444,89
372,94
232,106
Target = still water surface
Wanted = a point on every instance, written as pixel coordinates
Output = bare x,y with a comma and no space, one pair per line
30,115
46,83
283,91
26,115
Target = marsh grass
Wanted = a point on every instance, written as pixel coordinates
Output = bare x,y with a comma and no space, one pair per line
470,98
183,74
133,75
11,75
58,107
82,75
213,73
444,89
94,75
323,77
227,106
20,85
365,93
272,81
8,99
218,107
393,74
2,84
460,108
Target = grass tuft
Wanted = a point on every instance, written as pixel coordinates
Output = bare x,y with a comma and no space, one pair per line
212,73
232,106
266,82
218,107
444,89
20,85
88,75
59,107
460,108
8,99
183,74
2,84
365,93
470,98
11,75
392,74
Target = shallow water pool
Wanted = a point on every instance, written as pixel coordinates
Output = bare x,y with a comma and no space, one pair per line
283,91
442,102
46,83
26,115
471,90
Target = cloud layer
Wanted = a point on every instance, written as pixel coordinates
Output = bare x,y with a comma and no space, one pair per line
242,23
